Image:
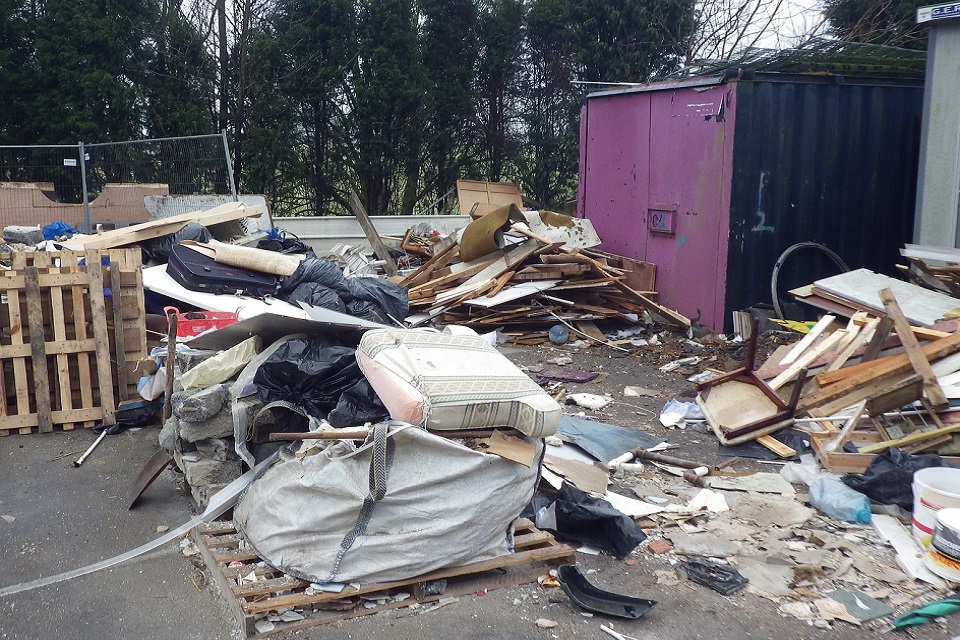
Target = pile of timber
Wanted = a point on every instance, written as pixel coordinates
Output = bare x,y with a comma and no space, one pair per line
862,374
532,282
936,268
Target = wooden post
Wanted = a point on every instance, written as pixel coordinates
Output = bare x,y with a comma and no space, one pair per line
919,361
390,267
171,360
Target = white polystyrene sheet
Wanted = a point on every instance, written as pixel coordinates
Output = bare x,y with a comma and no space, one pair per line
157,279
514,293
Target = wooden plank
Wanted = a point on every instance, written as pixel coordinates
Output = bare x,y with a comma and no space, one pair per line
98,316
909,341
865,334
64,372
590,328
891,364
776,446
822,325
78,298
120,351
806,358
41,380
913,438
18,262
356,207
155,228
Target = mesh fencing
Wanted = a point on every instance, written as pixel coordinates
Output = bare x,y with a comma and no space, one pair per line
87,185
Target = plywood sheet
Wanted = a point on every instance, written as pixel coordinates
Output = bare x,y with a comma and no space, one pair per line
921,306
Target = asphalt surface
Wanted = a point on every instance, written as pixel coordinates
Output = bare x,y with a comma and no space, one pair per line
68,517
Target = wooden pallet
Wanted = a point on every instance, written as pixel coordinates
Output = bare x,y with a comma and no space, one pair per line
59,340
220,545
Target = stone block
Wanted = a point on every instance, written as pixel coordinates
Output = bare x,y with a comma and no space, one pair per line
219,426
169,434
23,235
203,472
221,449
201,405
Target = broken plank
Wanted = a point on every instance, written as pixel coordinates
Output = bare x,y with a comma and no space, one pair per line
442,255
669,315
806,358
512,256
807,340
776,446
909,341
913,438
360,213
865,334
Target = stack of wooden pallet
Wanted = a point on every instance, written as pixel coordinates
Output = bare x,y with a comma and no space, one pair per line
533,282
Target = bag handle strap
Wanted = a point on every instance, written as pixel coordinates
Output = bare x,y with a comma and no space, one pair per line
380,463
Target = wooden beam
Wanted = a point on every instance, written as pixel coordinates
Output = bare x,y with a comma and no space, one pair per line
356,207
808,339
909,341
913,438
880,336
163,226
888,369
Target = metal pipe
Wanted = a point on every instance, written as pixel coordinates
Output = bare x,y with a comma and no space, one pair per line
79,461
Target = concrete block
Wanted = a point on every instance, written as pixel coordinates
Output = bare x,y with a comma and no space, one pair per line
203,494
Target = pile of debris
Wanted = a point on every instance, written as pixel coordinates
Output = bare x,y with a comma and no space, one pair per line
533,269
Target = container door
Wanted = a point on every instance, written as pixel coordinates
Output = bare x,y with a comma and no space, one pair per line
614,169
687,209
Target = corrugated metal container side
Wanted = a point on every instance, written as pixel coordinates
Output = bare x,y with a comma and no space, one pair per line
830,160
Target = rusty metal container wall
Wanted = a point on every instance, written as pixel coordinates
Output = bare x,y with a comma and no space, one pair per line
714,195
828,160
654,181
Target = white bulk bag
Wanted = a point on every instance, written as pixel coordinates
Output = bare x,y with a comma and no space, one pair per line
453,380
404,503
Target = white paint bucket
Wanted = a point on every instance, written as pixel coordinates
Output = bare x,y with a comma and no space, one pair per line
943,556
934,488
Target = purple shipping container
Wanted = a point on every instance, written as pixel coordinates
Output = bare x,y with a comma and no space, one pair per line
712,178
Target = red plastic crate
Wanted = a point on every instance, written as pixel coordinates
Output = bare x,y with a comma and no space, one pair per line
194,323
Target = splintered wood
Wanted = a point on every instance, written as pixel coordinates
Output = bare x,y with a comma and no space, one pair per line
864,374
66,317
534,283
231,562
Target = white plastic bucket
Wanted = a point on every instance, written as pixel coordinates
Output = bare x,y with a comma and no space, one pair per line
934,488
943,556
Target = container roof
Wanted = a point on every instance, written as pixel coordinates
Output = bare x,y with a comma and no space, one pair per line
819,59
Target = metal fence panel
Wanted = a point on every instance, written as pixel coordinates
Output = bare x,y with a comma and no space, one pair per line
86,185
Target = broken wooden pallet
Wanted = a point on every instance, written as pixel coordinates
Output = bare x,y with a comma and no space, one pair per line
220,545
59,343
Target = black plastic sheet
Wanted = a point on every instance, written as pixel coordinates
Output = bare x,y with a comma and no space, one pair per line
576,515
159,248
889,477
358,405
